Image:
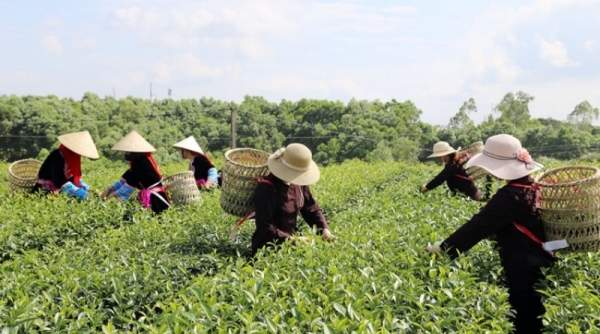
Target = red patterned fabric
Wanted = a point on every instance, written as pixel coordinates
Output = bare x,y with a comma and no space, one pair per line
74,162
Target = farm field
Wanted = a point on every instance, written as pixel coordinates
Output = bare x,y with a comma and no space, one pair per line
95,266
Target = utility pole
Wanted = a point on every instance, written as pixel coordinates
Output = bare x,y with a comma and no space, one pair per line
150,91
232,127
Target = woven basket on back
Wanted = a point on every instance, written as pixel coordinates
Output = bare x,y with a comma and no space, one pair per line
237,190
466,153
182,188
570,206
23,174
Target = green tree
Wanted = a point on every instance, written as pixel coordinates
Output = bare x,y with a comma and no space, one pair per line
514,109
462,120
583,115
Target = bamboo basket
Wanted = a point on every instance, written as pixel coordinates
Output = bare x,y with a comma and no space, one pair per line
466,153
182,188
237,189
570,206
23,175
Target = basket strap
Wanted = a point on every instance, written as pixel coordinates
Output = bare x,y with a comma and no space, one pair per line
261,180
464,177
528,233
547,246
535,186
237,225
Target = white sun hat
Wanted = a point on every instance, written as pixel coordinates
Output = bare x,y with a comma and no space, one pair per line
133,142
190,144
441,149
294,164
505,158
80,143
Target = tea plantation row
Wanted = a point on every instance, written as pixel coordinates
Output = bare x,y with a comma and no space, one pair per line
96,266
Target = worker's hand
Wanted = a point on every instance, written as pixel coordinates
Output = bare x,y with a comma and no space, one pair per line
299,240
327,236
423,189
433,249
106,192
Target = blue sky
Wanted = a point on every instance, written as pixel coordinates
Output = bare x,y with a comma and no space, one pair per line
437,54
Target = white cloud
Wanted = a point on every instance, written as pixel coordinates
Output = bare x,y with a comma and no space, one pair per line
137,77
51,44
52,22
555,53
84,43
254,48
294,85
590,44
128,16
191,20
262,17
402,9
190,67
244,27
558,98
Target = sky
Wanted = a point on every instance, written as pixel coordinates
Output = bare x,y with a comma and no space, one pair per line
437,54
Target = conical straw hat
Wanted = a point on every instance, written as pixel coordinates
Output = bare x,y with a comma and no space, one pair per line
80,143
189,143
133,142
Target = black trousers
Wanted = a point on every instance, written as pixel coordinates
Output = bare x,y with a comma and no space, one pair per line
522,277
157,204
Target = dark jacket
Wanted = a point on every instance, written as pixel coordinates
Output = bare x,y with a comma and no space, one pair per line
277,208
200,166
53,169
142,175
456,178
510,204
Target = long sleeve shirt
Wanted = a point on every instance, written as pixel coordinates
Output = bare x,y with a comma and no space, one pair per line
277,207
456,178
200,166
53,169
141,175
508,205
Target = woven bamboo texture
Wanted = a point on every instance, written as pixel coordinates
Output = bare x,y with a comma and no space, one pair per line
570,206
464,155
182,188
23,174
237,189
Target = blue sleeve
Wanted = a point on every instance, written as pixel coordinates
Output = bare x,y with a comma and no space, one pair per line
117,185
84,185
125,191
213,174
72,191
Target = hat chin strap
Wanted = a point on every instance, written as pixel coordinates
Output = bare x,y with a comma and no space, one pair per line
300,169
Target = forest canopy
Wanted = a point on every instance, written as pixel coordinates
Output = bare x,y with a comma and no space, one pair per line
334,131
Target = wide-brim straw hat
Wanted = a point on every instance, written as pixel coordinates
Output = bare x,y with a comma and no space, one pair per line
190,144
441,149
133,142
505,158
294,164
80,143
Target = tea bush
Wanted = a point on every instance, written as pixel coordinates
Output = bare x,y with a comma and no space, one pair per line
95,266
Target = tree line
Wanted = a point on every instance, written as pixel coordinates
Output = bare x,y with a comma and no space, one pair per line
334,131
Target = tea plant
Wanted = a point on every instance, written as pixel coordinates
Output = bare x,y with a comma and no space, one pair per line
95,266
